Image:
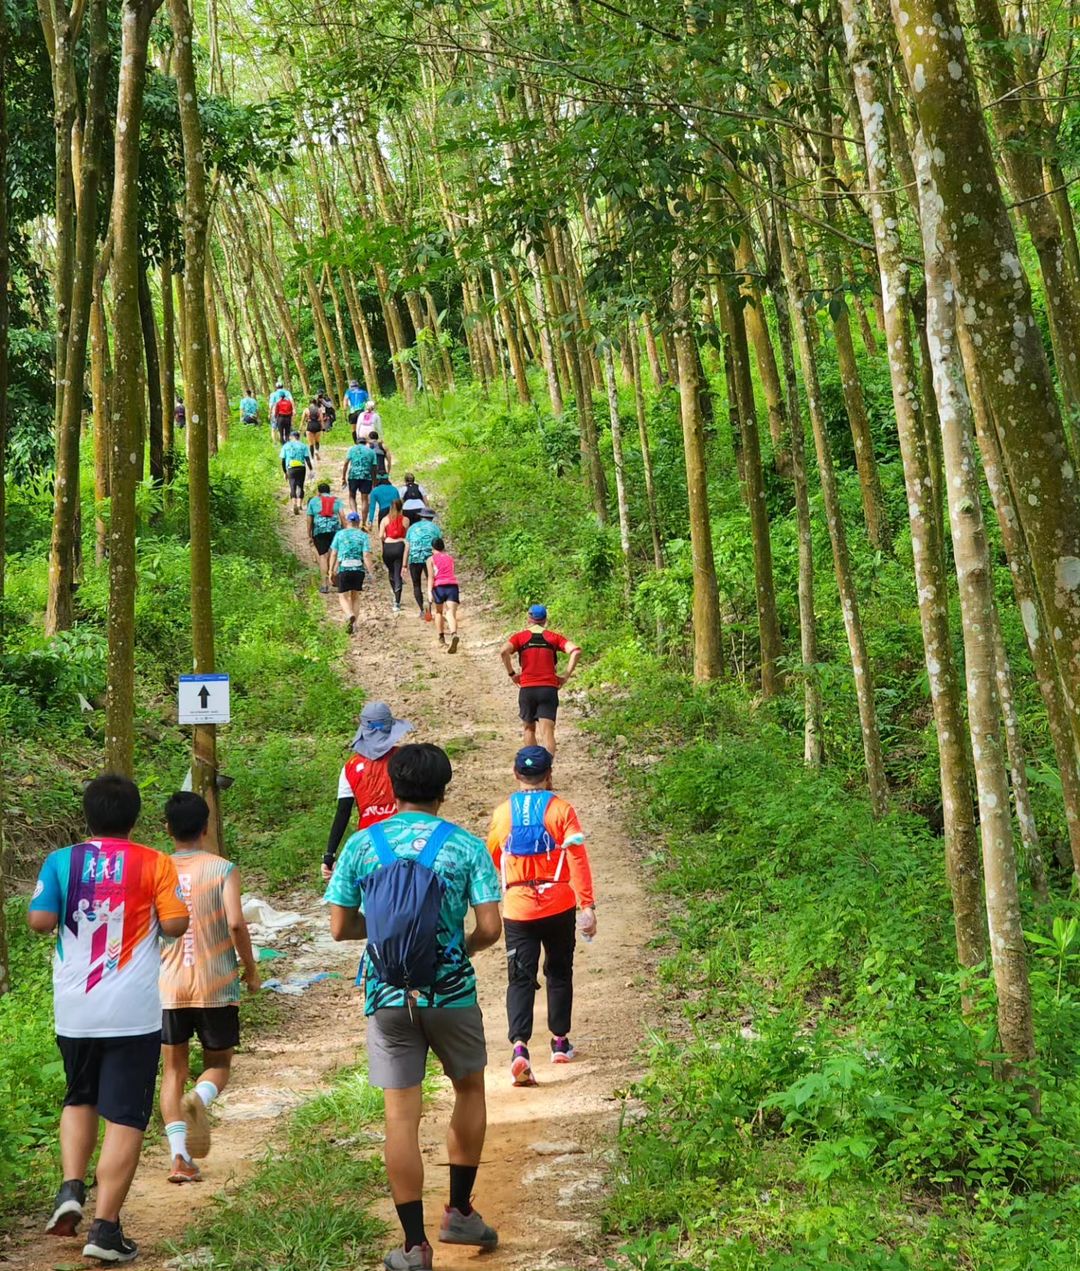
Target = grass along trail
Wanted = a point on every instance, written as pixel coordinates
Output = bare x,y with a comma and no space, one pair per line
545,1160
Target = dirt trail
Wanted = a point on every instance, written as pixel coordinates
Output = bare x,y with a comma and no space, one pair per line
544,1166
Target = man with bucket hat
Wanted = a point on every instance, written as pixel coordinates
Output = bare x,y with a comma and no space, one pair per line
364,780
537,675
538,847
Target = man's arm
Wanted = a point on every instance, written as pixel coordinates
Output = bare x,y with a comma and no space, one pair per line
172,913
311,527
389,458
347,923
42,921
238,930
369,563
487,930
345,805
571,666
507,655
345,473
332,566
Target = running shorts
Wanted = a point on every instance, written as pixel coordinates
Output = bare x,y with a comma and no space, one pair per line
538,702
441,595
350,580
116,1075
217,1027
360,485
323,541
398,1041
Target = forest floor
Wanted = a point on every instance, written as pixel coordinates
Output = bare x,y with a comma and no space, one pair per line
548,1151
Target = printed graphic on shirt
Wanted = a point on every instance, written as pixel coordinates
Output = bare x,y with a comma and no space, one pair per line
200,969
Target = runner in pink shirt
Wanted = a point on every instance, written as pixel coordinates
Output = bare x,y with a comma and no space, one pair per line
445,593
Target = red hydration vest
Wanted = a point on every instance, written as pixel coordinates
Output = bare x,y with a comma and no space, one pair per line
326,508
370,784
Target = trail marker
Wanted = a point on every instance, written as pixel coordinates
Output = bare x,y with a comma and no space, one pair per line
204,699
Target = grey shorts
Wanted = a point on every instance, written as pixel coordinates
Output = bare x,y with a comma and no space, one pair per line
398,1041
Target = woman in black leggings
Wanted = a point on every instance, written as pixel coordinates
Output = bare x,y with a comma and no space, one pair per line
392,536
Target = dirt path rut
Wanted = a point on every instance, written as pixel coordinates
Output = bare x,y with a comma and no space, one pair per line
542,1178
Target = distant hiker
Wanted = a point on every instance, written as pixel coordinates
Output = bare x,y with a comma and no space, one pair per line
356,398
281,412
358,471
329,414
295,464
412,499
383,496
384,459
419,544
364,782
350,561
368,421
537,844
249,408
406,884
445,593
200,986
537,676
108,900
313,423
179,412
392,537
326,515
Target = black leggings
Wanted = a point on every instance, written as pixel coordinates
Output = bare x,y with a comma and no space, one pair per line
416,573
393,554
555,937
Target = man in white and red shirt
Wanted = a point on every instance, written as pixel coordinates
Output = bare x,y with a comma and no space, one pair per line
364,781
537,676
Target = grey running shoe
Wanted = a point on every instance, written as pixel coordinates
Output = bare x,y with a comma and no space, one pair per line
197,1123
461,1229
67,1209
418,1256
109,1246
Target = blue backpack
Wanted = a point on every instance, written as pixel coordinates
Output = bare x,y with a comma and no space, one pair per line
402,905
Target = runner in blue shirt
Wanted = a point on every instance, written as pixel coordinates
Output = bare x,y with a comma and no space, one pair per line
350,561
326,515
249,408
419,544
281,418
358,471
356,397
382,499
295,462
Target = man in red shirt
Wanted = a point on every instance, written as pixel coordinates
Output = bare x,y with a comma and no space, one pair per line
537,676
364,780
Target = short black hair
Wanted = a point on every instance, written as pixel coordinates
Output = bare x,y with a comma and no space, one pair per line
438,544
420,773
373,435
324,487
187,815
111,804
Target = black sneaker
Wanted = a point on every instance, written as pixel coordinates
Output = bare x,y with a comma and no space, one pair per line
109,1245
67,1209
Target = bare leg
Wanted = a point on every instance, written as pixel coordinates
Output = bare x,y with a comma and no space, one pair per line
345,603
365,503
545,729
528,735
78,1138
440,622
404,1164
174,1075
451,616
116,1168
468,1124
217,1067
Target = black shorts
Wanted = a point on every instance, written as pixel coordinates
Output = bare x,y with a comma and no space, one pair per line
441,595
350,580
323,541
361,485
217,1027
116,1075
539,702
354,415
297,478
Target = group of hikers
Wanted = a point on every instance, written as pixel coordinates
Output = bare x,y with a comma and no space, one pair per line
152,950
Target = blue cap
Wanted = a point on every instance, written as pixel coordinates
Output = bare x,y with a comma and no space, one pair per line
533,761
353,516
539,614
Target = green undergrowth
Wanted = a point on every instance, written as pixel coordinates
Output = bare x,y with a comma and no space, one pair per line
307,1205
292,717
815,1096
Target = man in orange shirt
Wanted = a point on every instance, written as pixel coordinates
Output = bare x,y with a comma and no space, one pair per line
538,846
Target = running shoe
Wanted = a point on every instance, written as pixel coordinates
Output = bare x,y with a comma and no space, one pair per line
109,1246
406,1259
184,1171
350,623
453,643
324,590
296,511
442,638
561,1050
67,1209
466,1229
521,1071
197,1124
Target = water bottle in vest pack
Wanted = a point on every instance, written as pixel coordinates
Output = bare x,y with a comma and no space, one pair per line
402,903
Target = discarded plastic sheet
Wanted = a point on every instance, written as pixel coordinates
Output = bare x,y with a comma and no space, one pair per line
296,985
267,955
263,914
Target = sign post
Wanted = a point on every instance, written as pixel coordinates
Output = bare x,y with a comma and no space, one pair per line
204,700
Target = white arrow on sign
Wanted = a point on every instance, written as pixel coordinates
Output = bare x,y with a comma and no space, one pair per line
204,699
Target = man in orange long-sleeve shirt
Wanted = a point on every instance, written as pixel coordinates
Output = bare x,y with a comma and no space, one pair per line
538,846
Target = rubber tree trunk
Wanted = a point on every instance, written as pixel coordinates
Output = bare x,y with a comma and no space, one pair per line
168,369
931,582
198,380
617,455
646,453
127,421
708,647
75,271
995,303
1007,950
5,276
101,396
153,377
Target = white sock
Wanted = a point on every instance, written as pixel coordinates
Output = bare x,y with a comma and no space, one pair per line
176,1133
207,1092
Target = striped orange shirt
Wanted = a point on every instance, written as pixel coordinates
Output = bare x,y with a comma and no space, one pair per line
200,968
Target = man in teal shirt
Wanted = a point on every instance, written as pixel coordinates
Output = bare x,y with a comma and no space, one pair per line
419,543
350,560
295,462
401,1028
382,499
325,515
358,472
249,408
